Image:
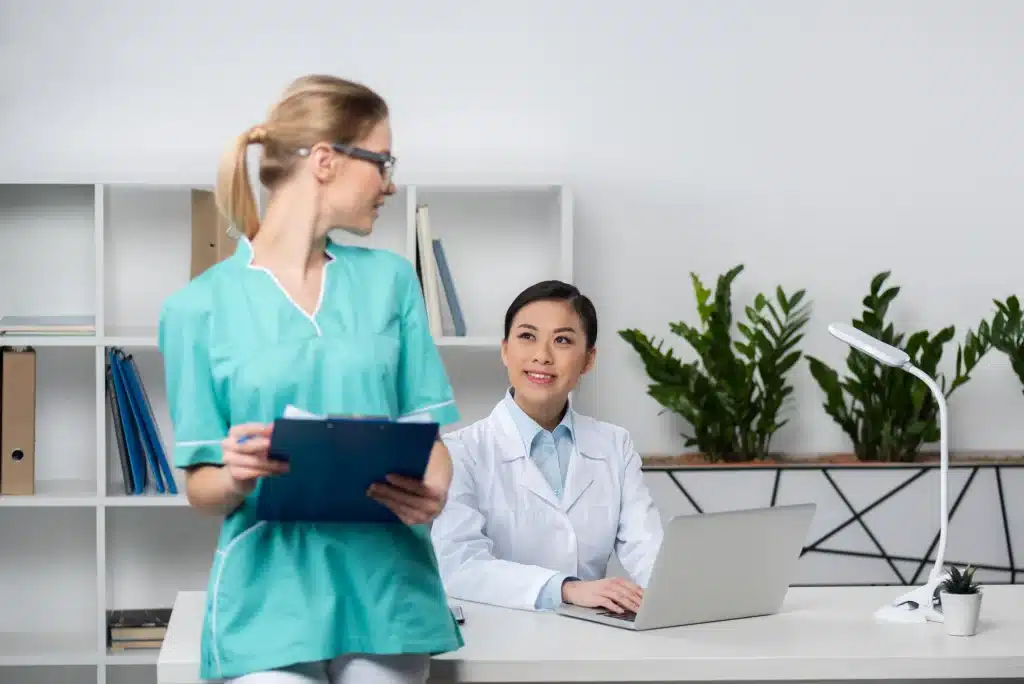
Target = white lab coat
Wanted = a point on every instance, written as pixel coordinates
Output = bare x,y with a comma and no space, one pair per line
503,533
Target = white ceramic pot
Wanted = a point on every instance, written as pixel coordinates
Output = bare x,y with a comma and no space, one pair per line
960,613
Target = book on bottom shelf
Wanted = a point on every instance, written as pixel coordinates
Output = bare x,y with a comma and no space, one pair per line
137,628
144,464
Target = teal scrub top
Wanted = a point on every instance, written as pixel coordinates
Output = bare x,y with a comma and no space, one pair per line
238,349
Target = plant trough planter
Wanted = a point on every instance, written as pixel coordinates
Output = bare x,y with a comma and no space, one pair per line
960,613
695,459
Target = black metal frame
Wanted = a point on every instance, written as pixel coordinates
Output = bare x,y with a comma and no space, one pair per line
856,515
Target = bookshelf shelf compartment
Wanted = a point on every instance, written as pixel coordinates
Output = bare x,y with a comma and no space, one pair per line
48,575
153,553
146,250
47,263
496,241
149,364
61,462
478,380
45,649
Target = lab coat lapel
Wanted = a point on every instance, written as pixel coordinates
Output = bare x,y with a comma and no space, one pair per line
583,465
521,467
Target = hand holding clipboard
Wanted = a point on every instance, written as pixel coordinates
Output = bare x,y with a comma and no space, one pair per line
334,462
246,456
415,502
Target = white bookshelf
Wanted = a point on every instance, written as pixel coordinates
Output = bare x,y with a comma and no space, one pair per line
117,251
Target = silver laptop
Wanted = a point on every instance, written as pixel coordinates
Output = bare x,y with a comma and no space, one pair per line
717,566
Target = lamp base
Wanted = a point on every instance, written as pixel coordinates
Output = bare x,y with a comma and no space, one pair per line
916,606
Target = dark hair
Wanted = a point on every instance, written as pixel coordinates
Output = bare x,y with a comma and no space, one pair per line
556,290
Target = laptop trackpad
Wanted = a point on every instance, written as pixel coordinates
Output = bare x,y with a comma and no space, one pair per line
627,616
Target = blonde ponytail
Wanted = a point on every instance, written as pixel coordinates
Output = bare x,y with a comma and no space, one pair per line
235,197
314,109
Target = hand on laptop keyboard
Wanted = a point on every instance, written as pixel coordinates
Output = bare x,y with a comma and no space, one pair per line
613,593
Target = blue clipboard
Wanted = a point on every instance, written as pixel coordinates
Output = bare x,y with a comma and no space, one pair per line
333,462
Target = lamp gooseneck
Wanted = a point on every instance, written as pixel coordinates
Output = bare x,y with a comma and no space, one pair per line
916,605
940,554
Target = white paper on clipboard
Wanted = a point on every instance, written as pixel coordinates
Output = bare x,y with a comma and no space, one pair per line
295,412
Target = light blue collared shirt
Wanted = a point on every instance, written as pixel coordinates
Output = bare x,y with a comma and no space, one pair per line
551,452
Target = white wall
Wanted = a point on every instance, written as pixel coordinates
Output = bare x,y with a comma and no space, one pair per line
877,134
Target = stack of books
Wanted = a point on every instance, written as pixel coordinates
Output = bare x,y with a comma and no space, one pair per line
444,313
135,628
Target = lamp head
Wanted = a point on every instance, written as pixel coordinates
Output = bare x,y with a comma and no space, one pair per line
876,349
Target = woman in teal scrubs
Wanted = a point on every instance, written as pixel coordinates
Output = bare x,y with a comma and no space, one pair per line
293,318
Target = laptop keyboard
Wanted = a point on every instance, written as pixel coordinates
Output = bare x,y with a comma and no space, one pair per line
627,616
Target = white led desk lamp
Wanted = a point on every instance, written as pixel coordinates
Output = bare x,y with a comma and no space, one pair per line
917,604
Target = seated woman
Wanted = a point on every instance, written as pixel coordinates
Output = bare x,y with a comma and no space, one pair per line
541,496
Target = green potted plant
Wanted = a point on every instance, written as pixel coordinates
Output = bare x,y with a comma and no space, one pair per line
886,412
735,391
1007,333
960,599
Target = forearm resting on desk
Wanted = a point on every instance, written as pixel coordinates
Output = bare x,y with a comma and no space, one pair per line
211,490
553,592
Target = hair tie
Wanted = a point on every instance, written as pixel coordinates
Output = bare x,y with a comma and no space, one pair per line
257,135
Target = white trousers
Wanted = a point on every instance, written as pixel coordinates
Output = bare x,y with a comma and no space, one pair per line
348,669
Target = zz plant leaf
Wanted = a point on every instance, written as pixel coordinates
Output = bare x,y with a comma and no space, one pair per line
886,412
734,393
1007,333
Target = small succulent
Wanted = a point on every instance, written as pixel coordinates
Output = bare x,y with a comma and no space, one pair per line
958,582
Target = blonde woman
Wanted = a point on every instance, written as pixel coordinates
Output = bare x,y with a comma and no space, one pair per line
294,318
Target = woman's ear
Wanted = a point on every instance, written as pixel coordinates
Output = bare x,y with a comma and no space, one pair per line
323,162
590,359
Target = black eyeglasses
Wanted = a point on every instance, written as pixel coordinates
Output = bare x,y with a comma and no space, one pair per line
385,163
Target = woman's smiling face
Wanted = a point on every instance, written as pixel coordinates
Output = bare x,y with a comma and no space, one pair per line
546,352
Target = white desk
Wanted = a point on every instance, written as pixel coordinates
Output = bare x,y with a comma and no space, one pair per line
821,634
